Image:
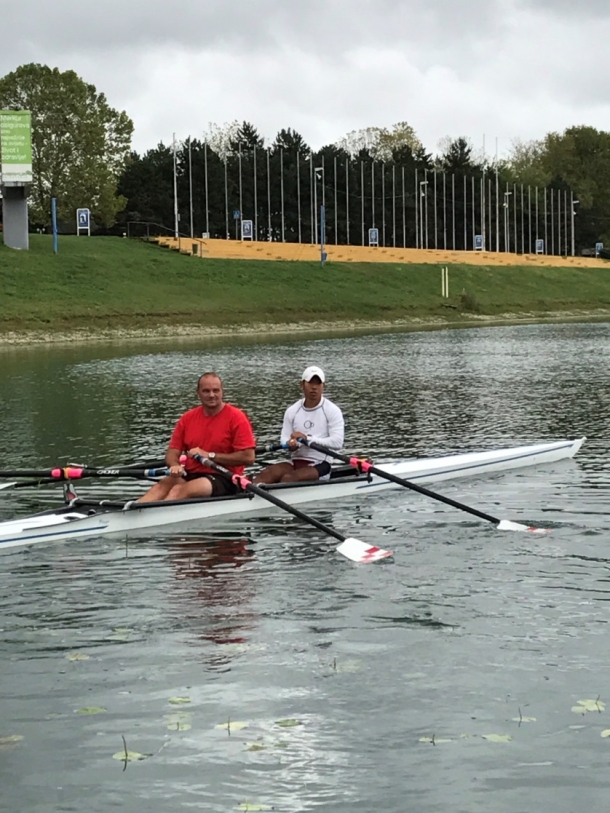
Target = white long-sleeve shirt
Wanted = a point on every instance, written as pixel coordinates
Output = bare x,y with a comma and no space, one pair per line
323,424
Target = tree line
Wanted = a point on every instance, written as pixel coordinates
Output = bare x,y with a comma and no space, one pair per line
555,190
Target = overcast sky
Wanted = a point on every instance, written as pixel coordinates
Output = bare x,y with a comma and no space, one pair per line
505,69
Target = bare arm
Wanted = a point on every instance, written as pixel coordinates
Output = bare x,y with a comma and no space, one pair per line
244,457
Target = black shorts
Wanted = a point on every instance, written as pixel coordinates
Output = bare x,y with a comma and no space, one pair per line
221,486
322,468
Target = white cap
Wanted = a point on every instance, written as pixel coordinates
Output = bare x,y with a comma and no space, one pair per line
310,372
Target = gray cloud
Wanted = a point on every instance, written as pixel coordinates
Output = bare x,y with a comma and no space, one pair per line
506,68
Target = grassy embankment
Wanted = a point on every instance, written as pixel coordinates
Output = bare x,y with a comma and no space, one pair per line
102,283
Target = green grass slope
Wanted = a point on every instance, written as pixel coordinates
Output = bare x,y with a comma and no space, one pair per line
112,282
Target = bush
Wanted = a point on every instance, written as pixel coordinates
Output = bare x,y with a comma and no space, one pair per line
469,303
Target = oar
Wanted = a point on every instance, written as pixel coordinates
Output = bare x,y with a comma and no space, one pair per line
27,483
78,472
352,548
365,466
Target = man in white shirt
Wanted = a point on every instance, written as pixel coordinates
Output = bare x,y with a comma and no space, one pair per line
313,417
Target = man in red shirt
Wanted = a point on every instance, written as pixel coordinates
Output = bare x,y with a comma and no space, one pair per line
216,430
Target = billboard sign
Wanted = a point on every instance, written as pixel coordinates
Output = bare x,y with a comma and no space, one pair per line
478,242
373,237
539,246
246,230
16,147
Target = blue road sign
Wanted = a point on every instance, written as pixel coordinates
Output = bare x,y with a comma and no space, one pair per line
236,214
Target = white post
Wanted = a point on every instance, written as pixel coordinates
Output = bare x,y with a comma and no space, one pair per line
176,218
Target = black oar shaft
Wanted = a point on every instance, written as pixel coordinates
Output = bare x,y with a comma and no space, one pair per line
247,485
78,472
364,465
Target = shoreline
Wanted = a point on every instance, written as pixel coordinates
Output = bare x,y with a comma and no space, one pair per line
160,332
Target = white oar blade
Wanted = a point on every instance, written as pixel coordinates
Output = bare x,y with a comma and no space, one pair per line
360,552
7,485
507,525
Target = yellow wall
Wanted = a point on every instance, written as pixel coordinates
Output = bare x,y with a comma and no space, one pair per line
248,250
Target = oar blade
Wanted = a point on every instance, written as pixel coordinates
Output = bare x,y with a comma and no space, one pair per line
508,525
360,552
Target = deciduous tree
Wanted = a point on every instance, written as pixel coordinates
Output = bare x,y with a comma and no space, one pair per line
80,144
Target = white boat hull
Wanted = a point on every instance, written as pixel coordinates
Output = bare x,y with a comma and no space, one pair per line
75,523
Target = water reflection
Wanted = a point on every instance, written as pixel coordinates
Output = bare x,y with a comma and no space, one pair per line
214,600
465,628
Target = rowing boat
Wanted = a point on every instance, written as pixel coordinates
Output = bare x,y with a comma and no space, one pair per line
83,517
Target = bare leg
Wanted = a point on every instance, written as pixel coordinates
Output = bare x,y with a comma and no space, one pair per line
273,473
177,488
307,473
161,489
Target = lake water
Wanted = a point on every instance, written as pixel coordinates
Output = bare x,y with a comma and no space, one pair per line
256,669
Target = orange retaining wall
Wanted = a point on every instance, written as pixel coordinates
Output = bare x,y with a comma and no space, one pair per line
249,250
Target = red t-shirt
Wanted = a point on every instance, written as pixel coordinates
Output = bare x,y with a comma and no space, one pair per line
228,431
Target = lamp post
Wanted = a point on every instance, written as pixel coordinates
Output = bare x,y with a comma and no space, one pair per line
574,202
506,222
422,195
319,174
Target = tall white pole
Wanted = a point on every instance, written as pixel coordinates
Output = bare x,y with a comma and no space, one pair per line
404,213
254,173
282,193
176,215
362,197
383,202
435,216
394,205
347,200
269,232
417,207
299,192
207,196
497,202
191,188
335,197
444,210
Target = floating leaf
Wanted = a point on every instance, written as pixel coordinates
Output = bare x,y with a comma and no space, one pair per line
497,737
232,725
176,701
583,706
289,723
576,727
255,746
77,656
605,733
9,740
91,710
121,629
251,806
130,756
118,636
524,719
